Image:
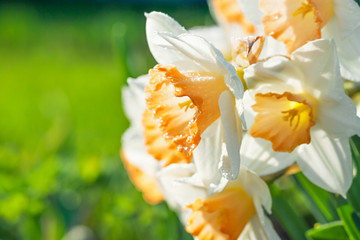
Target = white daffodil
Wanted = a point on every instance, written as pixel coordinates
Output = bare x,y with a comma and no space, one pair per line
300,106
297,22
235,210
216,36
231,18
140,165
190,88
211,206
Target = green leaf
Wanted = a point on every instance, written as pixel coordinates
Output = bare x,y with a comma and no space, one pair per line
330,231
287,216
349,218
353,194
321,200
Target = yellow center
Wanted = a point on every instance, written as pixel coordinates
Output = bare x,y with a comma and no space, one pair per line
187,104
304,9
284,119
296,114
222,216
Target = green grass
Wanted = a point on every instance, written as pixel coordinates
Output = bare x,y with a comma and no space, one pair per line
61,71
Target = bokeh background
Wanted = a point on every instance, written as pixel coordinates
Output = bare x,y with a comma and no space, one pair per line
62,67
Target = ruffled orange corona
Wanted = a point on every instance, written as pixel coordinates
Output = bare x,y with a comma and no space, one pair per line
230,11
160,148
295,22
184,104
145,183
284,119
222,216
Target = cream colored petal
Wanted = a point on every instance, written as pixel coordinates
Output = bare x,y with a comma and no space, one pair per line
177,191
252,12
347,17
272,47
159,22
134,148
257,155
319,62
190,53
327,162
337,116
348,49
232,127
216,36
208,154
277,74
133,98
255,230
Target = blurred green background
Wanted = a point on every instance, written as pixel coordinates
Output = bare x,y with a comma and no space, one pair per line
62,67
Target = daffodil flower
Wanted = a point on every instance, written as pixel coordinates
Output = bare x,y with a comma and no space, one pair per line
210,205
299,105
191,87
295,22
235,210
230,17
140,165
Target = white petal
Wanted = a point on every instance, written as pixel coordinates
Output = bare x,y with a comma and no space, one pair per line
135,151
215,35
199,55
327,162
251,10
189,53
347,17
178,192
256,188
272,47
319,63
231,124
256,230
338,116
133,98
277,71
257,155
160,22
207,154
348,49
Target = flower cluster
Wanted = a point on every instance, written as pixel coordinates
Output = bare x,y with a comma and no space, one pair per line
259,96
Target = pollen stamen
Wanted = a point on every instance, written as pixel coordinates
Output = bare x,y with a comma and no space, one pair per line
304,9
187,104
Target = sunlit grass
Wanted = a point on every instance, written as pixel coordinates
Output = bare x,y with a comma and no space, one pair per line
62,69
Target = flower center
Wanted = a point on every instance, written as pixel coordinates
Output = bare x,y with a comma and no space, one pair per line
183,104
221,216
304,9
284,119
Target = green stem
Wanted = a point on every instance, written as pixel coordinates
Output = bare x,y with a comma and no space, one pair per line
320,199
293,224
349,217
